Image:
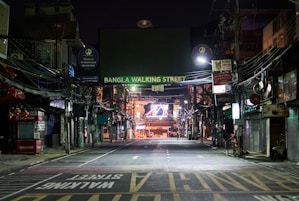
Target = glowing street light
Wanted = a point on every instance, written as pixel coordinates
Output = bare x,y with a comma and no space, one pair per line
202,60
201,54
144,23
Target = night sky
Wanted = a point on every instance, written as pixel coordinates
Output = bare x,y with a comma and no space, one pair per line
95,14
100,16
162,13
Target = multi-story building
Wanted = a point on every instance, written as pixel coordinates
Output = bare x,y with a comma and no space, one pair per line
268,82
41,59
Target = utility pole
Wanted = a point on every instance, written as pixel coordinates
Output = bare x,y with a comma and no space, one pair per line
125,91
194,114
67,127
237,31
67,115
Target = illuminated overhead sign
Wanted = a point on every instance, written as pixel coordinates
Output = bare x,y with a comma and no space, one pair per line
143,79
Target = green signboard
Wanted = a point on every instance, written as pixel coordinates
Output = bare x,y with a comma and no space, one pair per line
144,79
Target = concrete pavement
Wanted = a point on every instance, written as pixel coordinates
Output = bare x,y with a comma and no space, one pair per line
14,162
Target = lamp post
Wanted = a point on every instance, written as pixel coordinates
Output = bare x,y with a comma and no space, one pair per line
201,55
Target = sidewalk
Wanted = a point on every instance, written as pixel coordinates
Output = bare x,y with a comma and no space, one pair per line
15,162
291,167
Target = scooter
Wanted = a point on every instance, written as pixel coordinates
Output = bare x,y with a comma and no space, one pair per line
279,151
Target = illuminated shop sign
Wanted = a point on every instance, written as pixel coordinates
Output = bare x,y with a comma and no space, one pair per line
221,65
221,89
144,79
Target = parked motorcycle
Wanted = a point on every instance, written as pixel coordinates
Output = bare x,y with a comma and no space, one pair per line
279,151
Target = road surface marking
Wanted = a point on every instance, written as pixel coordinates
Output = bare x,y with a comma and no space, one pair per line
134,187
101,156
31,186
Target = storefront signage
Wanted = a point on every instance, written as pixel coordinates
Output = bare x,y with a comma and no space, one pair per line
221,65
252,108
275,110
40,125
143,79
32,116
221,89
222,78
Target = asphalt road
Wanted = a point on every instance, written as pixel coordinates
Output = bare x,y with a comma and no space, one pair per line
149,170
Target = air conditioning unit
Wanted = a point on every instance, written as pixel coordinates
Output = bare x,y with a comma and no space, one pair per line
17,56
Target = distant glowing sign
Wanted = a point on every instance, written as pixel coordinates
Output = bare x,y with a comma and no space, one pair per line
158,110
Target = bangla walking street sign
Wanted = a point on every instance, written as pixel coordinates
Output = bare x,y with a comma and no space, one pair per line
143,79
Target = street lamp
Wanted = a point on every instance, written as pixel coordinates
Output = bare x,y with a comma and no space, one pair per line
201,56
202,60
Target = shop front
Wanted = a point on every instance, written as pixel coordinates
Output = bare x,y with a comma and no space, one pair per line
264,127
31,131
254,139
292,142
